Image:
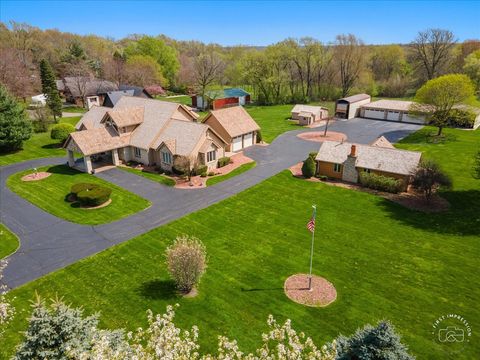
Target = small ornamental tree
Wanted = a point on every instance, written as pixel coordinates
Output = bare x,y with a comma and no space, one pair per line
429,177
15,128
6,309
308,167
375,343
60,132
186,262
438,96
49,88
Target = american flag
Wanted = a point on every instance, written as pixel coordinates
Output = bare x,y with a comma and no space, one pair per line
311,223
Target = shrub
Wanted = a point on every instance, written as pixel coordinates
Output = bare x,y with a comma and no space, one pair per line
223,161
94,197
60,132
323,177
380,182
204,174
461,118
259,136
380,342
159,169
313,155
308,168
177,171
202,169
79,187
211,173
429,177
186,262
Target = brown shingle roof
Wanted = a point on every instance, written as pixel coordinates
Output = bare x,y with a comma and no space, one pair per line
235,120
98,140
354,98
127,116
393,161
382,142
92,118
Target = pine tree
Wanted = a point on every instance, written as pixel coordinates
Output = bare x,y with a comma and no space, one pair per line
373,343
49,88
308,167
15,128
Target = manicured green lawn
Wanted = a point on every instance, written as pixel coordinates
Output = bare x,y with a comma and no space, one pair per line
74,109
154,177
40,145
274,120
8,242
241,169
49,194
183,99
386,262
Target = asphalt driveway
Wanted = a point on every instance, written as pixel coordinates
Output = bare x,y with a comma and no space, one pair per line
49,243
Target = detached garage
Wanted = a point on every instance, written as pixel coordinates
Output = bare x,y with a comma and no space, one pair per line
390,110
235,125
349,107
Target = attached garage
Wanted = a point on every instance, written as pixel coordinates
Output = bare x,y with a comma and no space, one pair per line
393,115
235,125
374,114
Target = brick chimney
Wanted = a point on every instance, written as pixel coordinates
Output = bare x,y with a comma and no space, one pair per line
353,151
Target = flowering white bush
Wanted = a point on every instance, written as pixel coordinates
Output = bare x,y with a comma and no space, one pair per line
163,340
6,309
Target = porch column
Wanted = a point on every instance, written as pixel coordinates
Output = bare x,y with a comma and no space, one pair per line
88,164
71,158
115,159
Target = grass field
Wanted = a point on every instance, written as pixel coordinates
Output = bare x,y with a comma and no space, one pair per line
386,262
49,194
274,120
8,242
154,177
40,145
241,169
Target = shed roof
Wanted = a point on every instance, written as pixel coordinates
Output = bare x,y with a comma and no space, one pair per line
383,159
355,98
307,108
235,120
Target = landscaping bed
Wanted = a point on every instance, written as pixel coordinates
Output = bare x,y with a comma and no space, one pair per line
52,195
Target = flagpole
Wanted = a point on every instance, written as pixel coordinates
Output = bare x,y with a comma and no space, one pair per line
311,250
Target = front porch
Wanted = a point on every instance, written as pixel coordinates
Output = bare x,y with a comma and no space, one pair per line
93,163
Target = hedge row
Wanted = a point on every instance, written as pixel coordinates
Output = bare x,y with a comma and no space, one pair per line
89,194
380,182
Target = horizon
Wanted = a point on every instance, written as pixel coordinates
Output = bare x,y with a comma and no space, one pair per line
220,27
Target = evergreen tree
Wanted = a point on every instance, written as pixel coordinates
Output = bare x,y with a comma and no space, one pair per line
15,128
49,88
308,167
372,343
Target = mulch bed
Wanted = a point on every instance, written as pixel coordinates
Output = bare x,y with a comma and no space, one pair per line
317,136
36,176
322,293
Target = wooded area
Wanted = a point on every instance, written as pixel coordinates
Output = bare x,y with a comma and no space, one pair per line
291,71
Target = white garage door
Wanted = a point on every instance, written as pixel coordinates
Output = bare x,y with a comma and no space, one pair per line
374,114
393,115
241,100
248,139
237,143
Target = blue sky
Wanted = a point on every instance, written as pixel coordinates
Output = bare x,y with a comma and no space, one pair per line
250,22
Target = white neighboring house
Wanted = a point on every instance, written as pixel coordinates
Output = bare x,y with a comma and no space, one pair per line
39,100
391,110
308,114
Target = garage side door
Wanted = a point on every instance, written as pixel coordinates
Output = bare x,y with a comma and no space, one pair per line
237,143
248,140
374,114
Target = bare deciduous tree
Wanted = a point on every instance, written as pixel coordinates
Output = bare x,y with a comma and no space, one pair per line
349,55
209,67
432,51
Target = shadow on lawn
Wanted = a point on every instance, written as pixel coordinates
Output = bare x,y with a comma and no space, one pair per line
463,217
63,170
262,289
158,289
52,146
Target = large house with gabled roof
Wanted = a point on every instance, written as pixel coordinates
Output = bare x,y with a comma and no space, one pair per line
147,131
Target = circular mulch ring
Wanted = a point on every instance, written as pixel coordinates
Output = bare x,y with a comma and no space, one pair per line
36,176
323,292
317,136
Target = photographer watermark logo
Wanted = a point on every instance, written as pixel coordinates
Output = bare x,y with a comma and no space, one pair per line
452,330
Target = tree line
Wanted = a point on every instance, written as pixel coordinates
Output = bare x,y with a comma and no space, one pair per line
292,70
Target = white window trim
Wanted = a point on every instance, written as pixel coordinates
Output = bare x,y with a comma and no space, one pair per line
337,166
213,157
137,152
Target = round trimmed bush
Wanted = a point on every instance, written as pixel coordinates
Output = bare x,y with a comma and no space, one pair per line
76,188
60,132
89,194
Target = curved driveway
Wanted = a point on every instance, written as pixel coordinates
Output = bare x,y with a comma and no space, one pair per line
49,243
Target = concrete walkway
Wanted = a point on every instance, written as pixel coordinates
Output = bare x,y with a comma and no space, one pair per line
49,243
